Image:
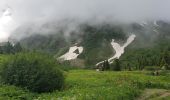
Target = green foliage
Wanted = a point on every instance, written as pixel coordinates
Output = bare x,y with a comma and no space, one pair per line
165,61
106,65
8,48
96,42
3,58
116,66
14,93
34,71
156,55
92,85
146,50
108,85
51,43
95,38
17,47
65,66
152,68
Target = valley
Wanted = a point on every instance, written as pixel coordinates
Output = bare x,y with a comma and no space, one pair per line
84,50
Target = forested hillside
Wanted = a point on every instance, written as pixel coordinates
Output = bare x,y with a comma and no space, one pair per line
151,42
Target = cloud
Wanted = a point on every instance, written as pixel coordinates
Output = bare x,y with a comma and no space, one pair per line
39,11
123,10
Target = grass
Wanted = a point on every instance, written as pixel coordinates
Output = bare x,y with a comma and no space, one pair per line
92,85
14,93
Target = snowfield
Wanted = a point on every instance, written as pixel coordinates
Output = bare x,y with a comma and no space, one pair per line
73,53
119,50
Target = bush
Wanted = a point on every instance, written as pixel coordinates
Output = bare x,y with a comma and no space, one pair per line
34,71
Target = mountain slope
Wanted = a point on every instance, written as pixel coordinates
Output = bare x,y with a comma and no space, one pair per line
152,38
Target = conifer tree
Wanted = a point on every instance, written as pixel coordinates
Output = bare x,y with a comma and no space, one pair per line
17,47
116,65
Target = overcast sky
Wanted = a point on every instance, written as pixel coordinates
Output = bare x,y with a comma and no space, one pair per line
123,10
26,11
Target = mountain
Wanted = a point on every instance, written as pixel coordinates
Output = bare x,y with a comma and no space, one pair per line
152,38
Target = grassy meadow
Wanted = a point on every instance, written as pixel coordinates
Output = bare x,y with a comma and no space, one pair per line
92,85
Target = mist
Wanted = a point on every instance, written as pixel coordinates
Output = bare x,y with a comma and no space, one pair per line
129,10
37,12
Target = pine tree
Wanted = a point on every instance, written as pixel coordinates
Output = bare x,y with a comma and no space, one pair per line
116,65
107,65
128,66
165,61
17,47
8,48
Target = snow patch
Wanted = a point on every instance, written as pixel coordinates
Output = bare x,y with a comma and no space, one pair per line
155,23
143,23
119,50
72,54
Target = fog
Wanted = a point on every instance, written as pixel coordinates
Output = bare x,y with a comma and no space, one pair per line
127,11
124,10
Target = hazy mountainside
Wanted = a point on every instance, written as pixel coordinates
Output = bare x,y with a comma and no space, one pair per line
96,41
151,39
151,44
50,43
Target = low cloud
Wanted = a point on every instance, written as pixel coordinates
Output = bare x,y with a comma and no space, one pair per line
123,10
42,11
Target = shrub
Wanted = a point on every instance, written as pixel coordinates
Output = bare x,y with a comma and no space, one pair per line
34,71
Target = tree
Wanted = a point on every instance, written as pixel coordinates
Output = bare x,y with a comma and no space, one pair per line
8,48
106,65
116,65
17,47
128,66
166,56
165,61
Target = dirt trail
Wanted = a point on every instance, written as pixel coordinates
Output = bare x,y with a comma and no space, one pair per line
155,94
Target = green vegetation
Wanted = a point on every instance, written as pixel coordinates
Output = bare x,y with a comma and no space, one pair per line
92,85
98,38
34,71
152,68
147,49
83,84
88,84
52,44
142,72
8,48
95,38
116,66
156,55
14,93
